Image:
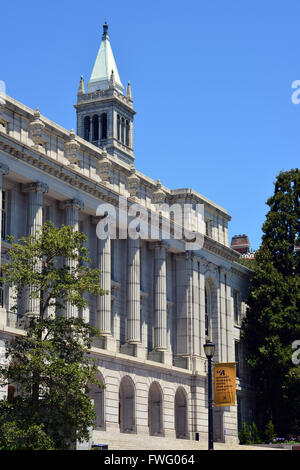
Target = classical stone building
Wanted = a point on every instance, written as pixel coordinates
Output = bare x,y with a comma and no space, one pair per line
164,298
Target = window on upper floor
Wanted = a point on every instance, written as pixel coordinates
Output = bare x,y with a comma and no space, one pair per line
118,127
236,306
208,227
207,311
1,295
237,357
127,133
87,126
95,127
123,130
104,126
10,393
4,216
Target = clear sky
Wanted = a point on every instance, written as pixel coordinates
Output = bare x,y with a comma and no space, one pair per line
211,82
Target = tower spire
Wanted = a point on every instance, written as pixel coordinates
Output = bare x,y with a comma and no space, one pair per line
104,65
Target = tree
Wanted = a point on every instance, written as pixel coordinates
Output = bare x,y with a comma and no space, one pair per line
272,322
50,365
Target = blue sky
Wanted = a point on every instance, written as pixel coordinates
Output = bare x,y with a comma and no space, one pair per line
211,83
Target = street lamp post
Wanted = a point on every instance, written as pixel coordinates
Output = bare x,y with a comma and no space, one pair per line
209,349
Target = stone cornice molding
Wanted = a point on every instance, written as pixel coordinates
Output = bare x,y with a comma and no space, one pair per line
55,130
219,249
51,167
105,96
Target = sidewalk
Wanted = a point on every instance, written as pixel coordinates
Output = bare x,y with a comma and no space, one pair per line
120,441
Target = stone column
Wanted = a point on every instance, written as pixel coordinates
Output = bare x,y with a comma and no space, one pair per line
133,291
184,303
229,318
4,170
103,319
35,205
202,306
71,208
35,192
160,298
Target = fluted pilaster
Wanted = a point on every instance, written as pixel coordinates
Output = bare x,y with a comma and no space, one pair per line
133,291
184,293
35,192
4,170
71,209
160,297
103,321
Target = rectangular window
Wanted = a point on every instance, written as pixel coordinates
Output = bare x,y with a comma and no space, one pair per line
236,307
208,227
10,393
237,357
1,295
4,216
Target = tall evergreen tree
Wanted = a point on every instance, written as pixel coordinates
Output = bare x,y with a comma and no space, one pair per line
272,322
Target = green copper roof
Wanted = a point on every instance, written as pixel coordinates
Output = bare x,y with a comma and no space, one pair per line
103,67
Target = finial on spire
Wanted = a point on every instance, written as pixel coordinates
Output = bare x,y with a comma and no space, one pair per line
128,91
105,29
81,90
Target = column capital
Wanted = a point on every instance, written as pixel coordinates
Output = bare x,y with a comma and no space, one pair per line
73,203
159,244
4,169
35,186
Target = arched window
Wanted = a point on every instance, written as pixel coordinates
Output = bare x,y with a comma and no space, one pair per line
87,126
155,410
97,395
123,130
118,127
127,405
95,128
181,414
127,133
104,126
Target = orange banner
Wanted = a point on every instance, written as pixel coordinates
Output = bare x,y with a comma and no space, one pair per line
224,383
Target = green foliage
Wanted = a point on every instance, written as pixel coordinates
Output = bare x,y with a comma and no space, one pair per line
249,434
19,431
52,370
273,318
269,432
50,365
249,263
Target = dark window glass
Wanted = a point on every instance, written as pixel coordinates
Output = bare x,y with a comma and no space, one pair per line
87,125
127,133
95,128
123,130
4,216
104,126
118,127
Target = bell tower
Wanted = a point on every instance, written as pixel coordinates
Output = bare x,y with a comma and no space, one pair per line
104,113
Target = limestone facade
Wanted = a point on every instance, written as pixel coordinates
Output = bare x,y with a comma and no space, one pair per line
164,299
